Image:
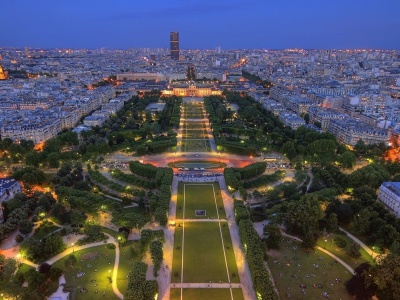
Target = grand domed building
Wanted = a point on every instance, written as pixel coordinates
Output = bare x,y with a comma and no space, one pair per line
191,89
3,74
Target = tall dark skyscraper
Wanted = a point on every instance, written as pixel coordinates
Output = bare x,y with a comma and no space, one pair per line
174,41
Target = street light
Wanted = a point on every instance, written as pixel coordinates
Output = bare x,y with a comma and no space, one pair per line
73,248
325,243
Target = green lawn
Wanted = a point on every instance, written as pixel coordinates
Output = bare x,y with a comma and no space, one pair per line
96,271
126,260
363,238
195,145
291,266
177,256
230,255
44,230
201,294
199,197
203,257
194,134
23,268
341,252
194,125
119,216
111,232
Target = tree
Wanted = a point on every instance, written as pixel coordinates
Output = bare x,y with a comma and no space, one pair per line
348,159
340,241
32,158
360,285
289,150
322,151
156,252
332,223
53,159
25,226
309,240
8,268
395,248
53,244
344,213
354,250
386,277
122,237
136,221
272,235
302,216
77,217
145,239
44,268
360,148
361,220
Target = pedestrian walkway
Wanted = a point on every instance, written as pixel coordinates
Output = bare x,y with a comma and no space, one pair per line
212,285
366,248
344,264
200,220
110,240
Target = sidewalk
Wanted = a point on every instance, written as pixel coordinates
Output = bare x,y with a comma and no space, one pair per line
366,248
323,250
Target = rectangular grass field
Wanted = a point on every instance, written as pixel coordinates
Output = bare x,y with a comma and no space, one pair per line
199,196
203,254
194,125
195,145
194,134
201,294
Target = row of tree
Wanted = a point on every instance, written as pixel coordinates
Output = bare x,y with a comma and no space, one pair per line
150,177
250,176
138,287
255,254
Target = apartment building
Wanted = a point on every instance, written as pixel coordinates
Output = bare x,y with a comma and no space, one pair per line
350,131
389,194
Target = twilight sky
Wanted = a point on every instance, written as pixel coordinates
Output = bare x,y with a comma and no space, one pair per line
202,24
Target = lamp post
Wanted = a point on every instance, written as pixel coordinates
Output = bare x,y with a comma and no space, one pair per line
325,243
73,248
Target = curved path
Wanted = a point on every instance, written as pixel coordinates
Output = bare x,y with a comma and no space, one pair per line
110,240
344,264
366,248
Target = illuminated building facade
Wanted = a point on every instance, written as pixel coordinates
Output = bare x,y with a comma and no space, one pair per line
191,90
389,194
3,74
174,45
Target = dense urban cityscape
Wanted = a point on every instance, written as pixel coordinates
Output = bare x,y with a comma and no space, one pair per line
170,173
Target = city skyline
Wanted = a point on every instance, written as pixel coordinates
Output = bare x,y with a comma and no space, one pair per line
202,24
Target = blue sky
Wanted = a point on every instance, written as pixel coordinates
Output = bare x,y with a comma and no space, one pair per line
202,24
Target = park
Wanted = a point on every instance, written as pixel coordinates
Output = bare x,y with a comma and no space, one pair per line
170,223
